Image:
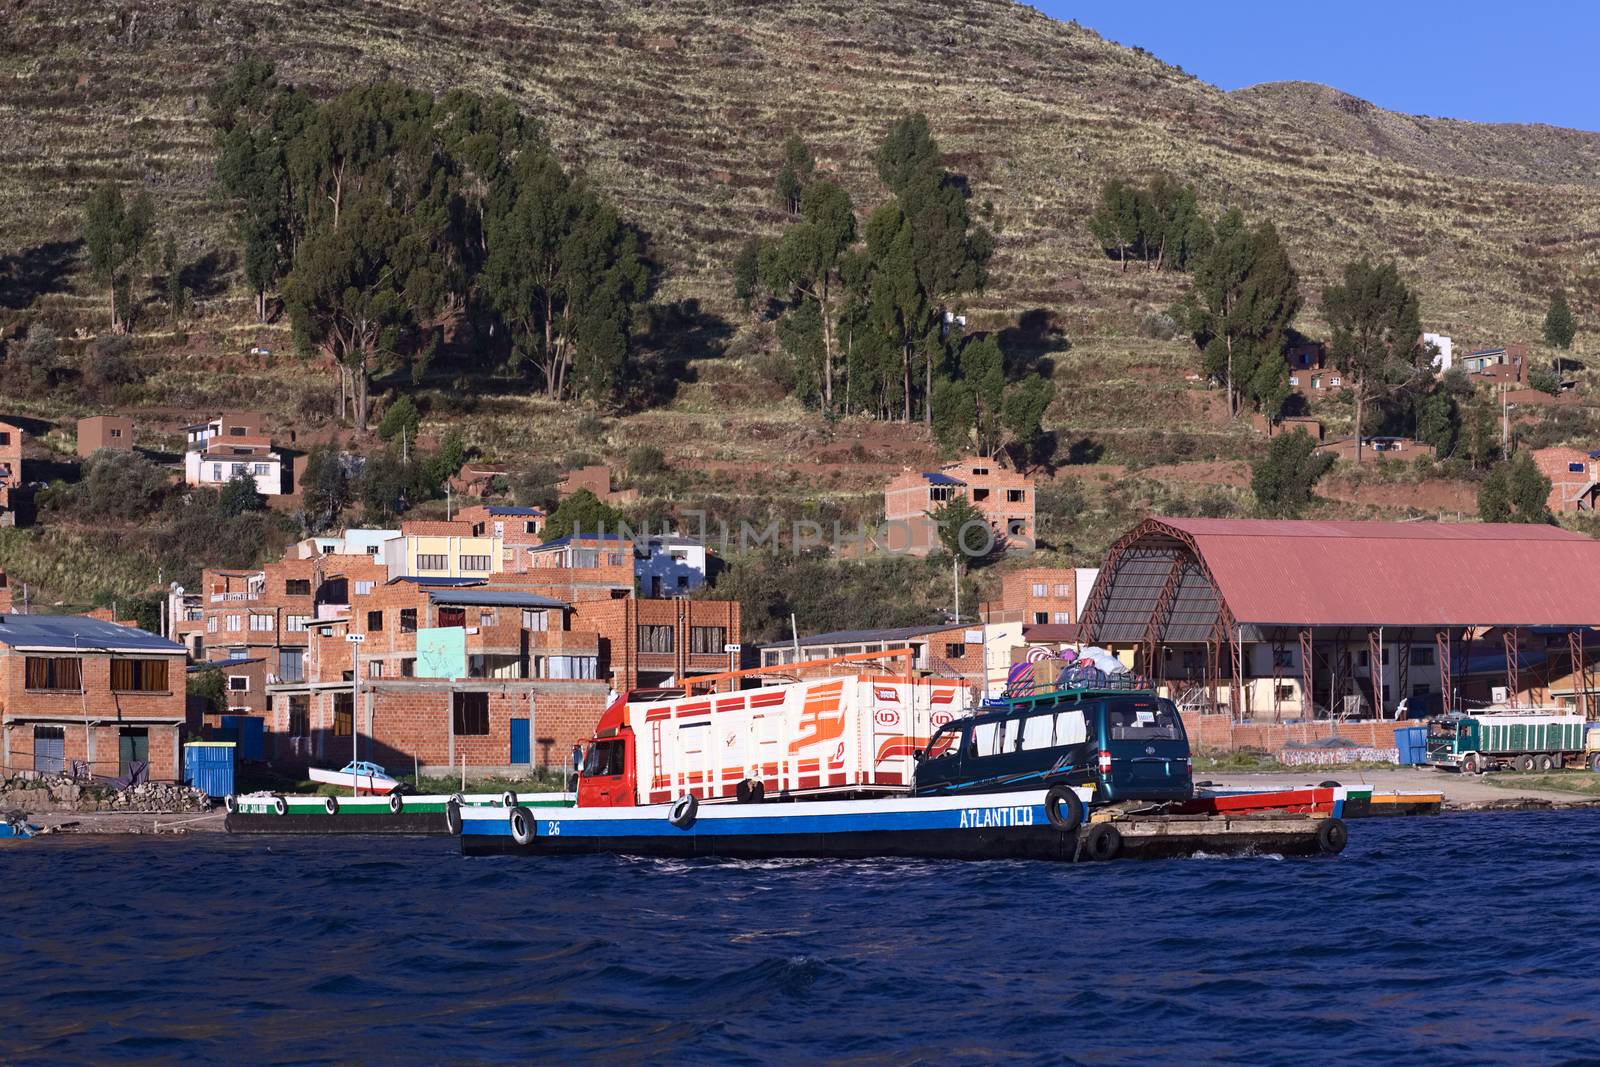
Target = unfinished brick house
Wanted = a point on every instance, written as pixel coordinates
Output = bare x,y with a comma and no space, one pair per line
585,566
1041,595
1574,477
88,696
648,644
1004,497
511,525
10,471
596,479
104,431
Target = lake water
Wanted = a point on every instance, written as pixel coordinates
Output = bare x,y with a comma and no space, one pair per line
1464,938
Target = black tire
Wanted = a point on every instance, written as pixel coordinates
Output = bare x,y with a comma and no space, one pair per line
1332,836
330,805
230,803
1523,763
1064,808
508,799
684,809
397,803
280,805
523,828
452,817
1103,842
1546,762
1594,763
458,798
1327,785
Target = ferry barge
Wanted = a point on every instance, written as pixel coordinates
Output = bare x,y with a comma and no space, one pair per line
267,813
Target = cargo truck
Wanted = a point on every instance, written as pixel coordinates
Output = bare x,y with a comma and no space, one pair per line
1510,740
852,735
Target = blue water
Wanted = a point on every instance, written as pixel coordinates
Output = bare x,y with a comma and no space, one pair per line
1456,939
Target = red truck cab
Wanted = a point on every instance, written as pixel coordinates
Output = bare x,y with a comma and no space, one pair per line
607,778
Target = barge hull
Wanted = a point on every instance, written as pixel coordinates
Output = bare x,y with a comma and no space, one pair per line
422,822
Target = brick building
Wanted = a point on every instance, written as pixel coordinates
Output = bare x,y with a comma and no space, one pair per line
1499,364
442,550
1042,595
10,470
104,431
596,479
581,567
647,644
88,695
512,525
1574,477
1004,497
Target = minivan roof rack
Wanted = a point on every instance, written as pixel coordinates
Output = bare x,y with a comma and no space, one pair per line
1077,683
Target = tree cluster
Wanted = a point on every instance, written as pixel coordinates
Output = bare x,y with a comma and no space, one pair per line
1159,225
1284,478
1515,491
1377,336
1239,311
385,212
865,312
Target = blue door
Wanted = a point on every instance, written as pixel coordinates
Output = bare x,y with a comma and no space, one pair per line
521,746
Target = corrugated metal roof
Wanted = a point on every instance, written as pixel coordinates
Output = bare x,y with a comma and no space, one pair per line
494,598
935,478
503,509
583,538
237,661
424,579
81,631
1400,574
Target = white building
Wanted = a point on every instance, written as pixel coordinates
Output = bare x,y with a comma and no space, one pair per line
219,461
352,542
1444,354
669,565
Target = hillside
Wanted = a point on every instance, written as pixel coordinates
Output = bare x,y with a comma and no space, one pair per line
678,110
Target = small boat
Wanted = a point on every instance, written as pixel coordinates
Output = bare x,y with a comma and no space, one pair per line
359,775
1033,824
1327,800
16,825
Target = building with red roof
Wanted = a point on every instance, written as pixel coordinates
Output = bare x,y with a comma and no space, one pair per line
1287,619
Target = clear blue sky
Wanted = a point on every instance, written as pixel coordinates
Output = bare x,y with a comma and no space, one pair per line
1491,62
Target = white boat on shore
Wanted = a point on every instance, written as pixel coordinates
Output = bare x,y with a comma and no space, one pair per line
359,775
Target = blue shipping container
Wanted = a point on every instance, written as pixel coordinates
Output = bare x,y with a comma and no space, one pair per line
1412,744
248,731
208,765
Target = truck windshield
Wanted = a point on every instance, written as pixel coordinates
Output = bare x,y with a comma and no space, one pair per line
1144,720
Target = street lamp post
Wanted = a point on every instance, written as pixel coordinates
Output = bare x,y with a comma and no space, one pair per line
355,702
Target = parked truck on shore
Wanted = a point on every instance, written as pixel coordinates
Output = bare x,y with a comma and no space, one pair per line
1533,740
853,734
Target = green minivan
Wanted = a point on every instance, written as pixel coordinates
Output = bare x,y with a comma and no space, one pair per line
1127,745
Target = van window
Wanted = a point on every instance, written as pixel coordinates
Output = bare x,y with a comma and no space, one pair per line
1070,728
994,738
1144,720
1038,731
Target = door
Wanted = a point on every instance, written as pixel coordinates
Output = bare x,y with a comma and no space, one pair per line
49,749
521,741
1149,749
133,747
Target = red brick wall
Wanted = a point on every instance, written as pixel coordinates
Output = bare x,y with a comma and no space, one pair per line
164,753
1220,733
1017,593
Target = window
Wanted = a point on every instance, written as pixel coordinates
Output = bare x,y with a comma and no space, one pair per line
1041,617
238,683
139,675
299,716
216,472
954,651
980,494
1283,657
54,672
1422,655
1575,468
374,668
530,527
474,563
1016,496
571,667
1294,379
261,623
408,620
238,652
236,431
5,438
296,624
237,469
363,588
939,493
980,471
343,714
1063,618
655,639
605,759
262,468
211,625
431,561
234,623
1144,720
1334,382
535,620
471,714
452,616
1063,589
477,529
115,435
1039,588
374,621
486,617
291,664
297,587
408,667
706,640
